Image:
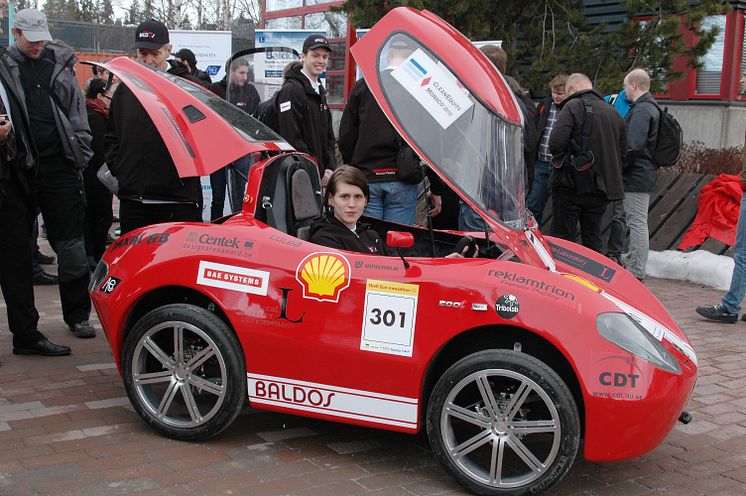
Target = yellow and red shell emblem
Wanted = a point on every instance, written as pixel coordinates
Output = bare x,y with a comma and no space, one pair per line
323,276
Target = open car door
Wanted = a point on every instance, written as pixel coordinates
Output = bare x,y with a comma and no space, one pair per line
202,131
448,101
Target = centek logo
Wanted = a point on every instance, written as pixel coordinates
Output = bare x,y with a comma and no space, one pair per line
223,241
617,379
293,394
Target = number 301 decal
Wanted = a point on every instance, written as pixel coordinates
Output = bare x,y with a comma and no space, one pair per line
390,314
388,317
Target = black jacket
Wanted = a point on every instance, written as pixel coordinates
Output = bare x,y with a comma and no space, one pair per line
97,122
608,141
367,139
641,172
204,77
23,166
305,120
245,97
329,231
138,157
542,110
181,70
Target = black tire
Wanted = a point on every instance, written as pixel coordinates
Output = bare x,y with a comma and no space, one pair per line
209,376
527,394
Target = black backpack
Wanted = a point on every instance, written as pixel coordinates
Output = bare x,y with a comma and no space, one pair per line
266,111
670,140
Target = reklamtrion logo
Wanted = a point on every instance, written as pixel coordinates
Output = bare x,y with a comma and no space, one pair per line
507,306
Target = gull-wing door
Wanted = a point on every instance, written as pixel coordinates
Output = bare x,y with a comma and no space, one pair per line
202,131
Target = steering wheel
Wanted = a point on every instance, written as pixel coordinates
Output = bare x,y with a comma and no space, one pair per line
467,241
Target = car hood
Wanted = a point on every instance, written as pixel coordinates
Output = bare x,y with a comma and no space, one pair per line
453,107
202,132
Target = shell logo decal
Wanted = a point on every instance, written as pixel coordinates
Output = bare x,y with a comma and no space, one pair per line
323,276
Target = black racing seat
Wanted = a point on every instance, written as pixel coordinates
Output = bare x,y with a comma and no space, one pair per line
291,196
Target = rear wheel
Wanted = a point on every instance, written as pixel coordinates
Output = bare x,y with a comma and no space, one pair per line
503,422
184,372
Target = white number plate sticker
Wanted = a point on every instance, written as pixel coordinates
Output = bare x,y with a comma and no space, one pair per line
390,317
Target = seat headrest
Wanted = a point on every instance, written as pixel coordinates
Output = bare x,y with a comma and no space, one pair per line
303,197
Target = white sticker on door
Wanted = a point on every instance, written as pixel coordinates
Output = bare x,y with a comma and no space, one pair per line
389,317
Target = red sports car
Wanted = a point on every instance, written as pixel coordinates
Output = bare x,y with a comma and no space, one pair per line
507,360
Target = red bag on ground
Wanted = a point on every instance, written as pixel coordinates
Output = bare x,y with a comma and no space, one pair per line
717,213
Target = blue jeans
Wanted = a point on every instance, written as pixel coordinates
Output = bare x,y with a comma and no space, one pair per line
732,299
468,220
539,194
394,201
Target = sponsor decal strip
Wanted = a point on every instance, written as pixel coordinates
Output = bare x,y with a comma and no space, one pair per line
333,401
234,278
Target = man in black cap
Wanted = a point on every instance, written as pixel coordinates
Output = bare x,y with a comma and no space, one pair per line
150,190
303,114
187,57
58,119
17,209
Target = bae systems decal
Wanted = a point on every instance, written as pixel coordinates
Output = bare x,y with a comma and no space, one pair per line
218,245
582,262
333,401
508,278
234,278
150,239
507,306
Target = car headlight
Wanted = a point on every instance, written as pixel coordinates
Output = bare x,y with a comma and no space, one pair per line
98,275
623,331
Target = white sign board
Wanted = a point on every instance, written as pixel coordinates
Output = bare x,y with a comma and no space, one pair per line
211,48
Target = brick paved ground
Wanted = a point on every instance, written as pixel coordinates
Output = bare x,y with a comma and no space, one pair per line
66,428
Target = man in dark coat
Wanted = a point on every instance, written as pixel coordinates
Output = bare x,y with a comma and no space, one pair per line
585,182
640,172
17,209
303,115
236,88
150,190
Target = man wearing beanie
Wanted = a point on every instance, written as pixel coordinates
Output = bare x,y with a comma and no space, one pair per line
45,71
187,57
150,190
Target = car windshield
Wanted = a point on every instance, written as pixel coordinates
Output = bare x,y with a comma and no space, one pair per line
479,152
247,126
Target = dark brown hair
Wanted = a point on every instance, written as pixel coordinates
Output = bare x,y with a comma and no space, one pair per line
349,175
497,56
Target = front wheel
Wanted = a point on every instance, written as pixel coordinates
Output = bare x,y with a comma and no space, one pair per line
503,423
184,372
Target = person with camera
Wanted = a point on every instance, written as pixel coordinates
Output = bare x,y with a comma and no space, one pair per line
588,145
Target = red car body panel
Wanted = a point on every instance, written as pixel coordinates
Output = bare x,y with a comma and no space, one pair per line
302,312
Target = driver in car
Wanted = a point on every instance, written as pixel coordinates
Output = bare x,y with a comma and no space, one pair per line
346,196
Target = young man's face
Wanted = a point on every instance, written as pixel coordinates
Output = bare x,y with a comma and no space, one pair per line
315,61
154,58
240,75
30,49
558,95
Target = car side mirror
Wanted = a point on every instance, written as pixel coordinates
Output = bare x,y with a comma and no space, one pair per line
397,239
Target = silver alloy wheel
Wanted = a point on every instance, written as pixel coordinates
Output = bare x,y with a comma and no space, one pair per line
179,374
513,429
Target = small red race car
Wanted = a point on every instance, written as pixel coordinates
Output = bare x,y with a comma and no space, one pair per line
507,360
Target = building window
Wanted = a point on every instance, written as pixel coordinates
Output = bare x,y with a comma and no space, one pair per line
283,23
710,75
334,23
273,5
